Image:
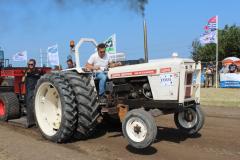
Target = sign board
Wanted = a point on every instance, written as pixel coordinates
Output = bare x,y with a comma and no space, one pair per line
166,79
230,80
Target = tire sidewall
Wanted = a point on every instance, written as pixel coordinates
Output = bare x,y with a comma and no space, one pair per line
200,121
4,100
59,90
150,124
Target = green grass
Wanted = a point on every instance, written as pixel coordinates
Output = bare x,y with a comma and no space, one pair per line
223,97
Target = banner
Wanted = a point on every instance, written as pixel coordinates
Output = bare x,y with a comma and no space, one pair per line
229,80
111,44
20,56
53,57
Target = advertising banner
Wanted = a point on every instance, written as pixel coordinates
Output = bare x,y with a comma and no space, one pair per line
230,80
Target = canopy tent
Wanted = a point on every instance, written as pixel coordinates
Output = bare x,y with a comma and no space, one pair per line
229,60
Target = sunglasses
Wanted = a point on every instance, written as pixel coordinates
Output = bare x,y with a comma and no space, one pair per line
30,64
102,51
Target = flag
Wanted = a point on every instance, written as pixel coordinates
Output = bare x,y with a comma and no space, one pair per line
210,34
213,20
212,24
20,56
111,44
207,38
53,57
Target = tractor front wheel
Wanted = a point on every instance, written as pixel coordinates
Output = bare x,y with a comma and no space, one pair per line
139,128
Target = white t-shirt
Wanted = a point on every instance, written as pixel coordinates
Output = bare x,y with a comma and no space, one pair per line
95,60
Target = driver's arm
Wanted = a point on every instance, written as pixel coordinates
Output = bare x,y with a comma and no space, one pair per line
91,67
111,64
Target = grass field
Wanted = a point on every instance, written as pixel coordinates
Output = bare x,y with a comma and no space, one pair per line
223,97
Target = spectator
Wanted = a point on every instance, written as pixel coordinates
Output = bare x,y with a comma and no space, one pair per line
70,63
57,67
211,67
209,77
232,68
224,69
30,78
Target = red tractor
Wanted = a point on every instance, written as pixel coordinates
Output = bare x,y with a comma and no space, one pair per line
13,92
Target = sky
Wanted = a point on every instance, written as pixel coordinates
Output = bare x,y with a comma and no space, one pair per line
172,25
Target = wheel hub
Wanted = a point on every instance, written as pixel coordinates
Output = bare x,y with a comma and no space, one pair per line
136,129
48,108
2,108
188,115
188,118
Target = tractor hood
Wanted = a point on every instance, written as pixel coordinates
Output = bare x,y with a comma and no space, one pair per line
153,67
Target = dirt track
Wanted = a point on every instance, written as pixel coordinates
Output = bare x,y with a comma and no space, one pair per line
219,139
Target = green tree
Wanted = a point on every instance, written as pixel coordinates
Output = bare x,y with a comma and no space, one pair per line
229,45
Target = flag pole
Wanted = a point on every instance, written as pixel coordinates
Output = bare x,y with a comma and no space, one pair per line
47,57
26,58
217,52
115,48
41,57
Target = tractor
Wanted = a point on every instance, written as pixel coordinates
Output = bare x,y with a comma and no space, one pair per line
67,102
13,92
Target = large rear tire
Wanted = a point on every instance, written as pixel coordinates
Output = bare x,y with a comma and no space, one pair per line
9,106
191,120
139,128
86,100
54,108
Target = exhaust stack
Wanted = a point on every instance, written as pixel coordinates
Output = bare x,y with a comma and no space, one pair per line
145,41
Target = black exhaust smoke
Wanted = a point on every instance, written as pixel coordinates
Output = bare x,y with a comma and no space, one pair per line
136,5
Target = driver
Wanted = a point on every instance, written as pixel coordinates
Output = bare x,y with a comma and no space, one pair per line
99,62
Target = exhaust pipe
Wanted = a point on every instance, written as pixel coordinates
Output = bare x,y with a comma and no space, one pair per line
145,41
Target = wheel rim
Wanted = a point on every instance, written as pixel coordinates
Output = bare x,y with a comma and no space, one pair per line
136,129
2,108
187,118
48,109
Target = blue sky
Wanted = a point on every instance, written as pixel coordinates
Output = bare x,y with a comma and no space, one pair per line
172,26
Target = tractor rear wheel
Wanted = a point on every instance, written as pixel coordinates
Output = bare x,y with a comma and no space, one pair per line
86,100
9,106
55,110
190,121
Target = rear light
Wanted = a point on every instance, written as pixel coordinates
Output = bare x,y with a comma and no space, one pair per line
188,85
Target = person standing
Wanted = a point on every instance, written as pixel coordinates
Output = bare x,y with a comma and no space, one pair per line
30,78
209,77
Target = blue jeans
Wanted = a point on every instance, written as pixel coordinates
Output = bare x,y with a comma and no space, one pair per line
102,77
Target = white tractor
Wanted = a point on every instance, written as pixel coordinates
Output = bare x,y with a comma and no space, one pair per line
66,102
